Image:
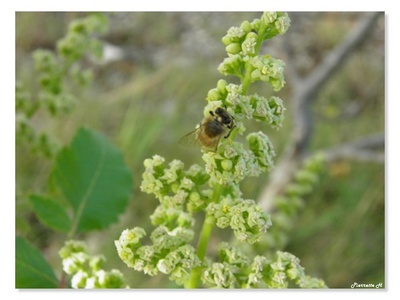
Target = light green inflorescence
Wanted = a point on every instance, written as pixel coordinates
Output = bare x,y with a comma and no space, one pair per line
214,187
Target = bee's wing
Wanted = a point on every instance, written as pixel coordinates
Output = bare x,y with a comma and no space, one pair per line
206,143
212,144
191,139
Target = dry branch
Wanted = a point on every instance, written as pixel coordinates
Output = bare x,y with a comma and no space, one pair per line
304,91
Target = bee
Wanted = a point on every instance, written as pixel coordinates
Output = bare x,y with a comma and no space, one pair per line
218,124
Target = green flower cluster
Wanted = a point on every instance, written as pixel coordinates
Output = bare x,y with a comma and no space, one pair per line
243,106
292,200
86,270
214,189
175,188
234,269
247,220
170,252
231,270
233,162
287,268
180,194
79,39
54,68
243,44
58,74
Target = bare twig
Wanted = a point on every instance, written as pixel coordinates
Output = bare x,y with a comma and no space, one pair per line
336,58
304,92
366,149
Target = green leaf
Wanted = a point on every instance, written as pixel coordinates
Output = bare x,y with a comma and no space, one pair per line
51,213
94,179
31,269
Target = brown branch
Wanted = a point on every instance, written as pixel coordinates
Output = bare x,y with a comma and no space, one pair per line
366,149
336,58
304,92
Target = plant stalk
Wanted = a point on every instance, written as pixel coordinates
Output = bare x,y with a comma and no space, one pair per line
246,79
204,239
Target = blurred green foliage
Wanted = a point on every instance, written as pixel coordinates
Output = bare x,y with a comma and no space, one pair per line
147,101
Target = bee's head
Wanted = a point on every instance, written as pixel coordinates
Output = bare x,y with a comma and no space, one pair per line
223,116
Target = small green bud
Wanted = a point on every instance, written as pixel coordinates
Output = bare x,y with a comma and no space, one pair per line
280,280
78,26
256,74
174,187
150,270
226,164
282,23
186,184
79,280
72,247
252,35
194,196
180,197
221,86
246,26
158,160
235,34
233,48
219,275
268,17
132,236
234,89
248,46
223,222
255,24
226,40
96,262
164,266
46,62
231,65
292,273
97,22
112,279
148,163
213,95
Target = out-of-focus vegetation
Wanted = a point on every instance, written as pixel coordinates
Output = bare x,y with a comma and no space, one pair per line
155,94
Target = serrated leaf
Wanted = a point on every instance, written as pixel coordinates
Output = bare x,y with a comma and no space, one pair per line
51,213
94,179
31,269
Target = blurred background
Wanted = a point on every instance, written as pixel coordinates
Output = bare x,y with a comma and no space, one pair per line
150,90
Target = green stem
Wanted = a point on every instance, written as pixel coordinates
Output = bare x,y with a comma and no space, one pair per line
201,252
204,239
246,79
205,236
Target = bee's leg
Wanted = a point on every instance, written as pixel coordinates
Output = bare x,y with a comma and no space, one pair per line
212,113
231,127
229,133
